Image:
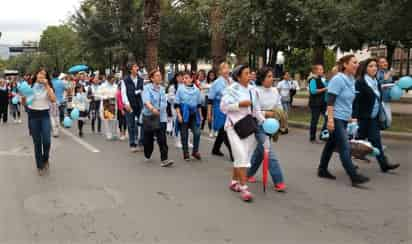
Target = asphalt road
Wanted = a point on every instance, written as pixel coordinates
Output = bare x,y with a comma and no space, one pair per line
99,192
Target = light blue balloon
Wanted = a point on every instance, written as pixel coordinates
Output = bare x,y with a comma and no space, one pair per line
15,100
25,89
29,100
67,122
405,82
396,93
271,126
75,114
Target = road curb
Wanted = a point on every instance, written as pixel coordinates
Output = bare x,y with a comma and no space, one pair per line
385,134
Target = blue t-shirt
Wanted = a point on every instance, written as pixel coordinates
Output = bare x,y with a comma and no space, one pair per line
215,91
59,87
157,97
189,95
343,87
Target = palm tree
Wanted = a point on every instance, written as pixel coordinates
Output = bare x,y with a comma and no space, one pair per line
151,27
218,39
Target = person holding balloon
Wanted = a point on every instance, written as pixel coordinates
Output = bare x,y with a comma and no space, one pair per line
240,105
80,104
341,94
366,108
38,98
15,102
269,99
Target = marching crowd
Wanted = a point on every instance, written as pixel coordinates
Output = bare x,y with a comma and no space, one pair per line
232,104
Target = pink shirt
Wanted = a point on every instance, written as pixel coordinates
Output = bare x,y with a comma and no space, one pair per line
119,100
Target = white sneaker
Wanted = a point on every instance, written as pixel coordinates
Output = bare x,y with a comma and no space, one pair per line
215,133
211,134
178,144
133,149
122,138
167,163
19,121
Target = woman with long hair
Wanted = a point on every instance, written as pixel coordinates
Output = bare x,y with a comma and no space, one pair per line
39,118
366,108
269,100
341,94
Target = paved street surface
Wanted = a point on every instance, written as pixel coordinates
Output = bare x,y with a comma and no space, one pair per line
398,108
99,192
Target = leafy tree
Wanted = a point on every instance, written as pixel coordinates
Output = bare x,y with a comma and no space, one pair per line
59,44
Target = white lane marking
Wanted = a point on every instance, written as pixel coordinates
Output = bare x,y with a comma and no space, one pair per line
80,141
15,154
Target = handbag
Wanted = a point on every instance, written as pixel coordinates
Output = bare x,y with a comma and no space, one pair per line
247,125
152,122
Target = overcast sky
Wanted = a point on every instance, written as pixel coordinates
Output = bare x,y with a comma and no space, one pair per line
22,20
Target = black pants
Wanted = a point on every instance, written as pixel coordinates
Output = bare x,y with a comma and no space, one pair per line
148,142
62,108
220,139
4,107
80,124
122,121
317,111
204,115
95,108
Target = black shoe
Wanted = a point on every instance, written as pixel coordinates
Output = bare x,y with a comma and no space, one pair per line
80,134
324,173
186,156
359,179
387,166
218,153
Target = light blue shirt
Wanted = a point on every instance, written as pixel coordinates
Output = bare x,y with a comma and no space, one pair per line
59,87
343,87
218,86
156,95
373,84
189,95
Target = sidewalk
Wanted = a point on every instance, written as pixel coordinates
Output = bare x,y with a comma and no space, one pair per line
397,108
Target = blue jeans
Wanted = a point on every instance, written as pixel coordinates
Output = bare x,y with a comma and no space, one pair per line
338,138
286,106
369,129
40,127
184,134
132,128
257,158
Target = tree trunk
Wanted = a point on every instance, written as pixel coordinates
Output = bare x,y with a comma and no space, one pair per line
390,49
151,28
218,42
193,65
318,55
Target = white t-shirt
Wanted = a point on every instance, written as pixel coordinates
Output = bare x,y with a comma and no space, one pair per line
268,98
41,100
284,88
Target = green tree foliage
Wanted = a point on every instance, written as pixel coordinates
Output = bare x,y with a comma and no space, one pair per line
60,46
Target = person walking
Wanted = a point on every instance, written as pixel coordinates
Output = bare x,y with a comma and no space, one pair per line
317,103
155,118
81,102
108,107
121,113
341,94
93,96
132,88
15,108
366,109
268,99
4,101
284,87
240,105
188,108
215,95
39,119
